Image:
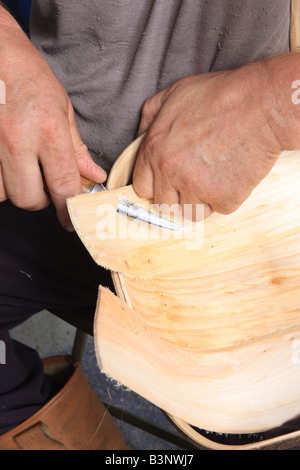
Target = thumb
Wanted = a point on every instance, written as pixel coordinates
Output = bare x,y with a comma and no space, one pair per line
151,108
86,165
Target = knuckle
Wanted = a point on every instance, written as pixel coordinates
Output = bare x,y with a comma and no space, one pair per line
3,195
166,166
170,164
49,125
82,152
181,83
150,144
10,146
25,201
227,208
10,141
216,199
188,181
63,163
221,209
148,106
64,184
158,153
223,202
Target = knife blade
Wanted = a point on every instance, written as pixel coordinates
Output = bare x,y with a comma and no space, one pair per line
133,210
137,212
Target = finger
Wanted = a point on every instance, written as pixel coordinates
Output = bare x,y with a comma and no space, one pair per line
3,195
166,196
165,193
23,182
86,165
59,163
193,208
89,169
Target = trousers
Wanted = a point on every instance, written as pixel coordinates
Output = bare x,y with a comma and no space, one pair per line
42,266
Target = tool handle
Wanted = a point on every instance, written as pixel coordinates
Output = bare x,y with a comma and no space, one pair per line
87,185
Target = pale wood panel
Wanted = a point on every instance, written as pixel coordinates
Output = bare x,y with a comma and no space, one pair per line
207,334
249,388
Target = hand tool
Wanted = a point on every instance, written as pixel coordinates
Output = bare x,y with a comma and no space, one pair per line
90,186
133,210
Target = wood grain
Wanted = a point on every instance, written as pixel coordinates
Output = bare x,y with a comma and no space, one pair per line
208,334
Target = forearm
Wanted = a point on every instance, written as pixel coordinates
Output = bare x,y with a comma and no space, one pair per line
6,19
14,43
19,58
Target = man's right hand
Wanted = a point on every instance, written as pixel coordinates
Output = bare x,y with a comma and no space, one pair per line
42,155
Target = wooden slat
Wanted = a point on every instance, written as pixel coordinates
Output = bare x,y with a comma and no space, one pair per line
295,26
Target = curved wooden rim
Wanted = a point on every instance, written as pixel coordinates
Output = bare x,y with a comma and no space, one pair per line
283,442
120,174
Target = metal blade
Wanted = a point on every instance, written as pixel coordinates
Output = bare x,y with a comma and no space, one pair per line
137,212
98,187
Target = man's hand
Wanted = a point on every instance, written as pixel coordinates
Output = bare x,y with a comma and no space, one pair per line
210,139
41,153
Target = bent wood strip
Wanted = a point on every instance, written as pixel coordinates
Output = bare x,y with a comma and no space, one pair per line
126,245
295,26
222,391
284,442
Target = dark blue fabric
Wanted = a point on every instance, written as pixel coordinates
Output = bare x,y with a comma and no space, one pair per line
20,9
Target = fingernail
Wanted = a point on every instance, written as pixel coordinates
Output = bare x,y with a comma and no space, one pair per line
103,173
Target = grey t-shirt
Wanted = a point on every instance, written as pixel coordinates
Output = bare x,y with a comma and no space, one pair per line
111,55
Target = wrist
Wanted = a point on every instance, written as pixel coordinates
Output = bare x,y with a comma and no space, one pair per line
8,25
16,50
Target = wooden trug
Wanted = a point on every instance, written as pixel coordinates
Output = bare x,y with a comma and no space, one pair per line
210,335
